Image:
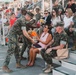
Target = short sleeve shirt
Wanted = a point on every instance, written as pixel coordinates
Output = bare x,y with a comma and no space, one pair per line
18,26
60,39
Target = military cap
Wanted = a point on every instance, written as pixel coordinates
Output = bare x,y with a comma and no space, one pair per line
23,11
30,14
60,24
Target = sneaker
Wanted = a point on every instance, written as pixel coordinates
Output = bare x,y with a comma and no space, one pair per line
6,69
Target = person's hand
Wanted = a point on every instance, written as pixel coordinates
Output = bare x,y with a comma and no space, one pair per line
71,23
48,50
71,29
33,42
37,38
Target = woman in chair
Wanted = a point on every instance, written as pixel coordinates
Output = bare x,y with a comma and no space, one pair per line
43,42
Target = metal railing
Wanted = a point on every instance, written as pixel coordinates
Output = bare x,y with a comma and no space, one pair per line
35,5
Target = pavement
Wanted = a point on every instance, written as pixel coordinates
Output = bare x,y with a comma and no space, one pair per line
35,70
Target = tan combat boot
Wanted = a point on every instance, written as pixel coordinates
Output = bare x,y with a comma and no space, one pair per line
49,69
18,65
6,69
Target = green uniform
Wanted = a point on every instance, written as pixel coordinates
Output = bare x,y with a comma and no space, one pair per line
74,33
13,47
58,39
25,41
74,26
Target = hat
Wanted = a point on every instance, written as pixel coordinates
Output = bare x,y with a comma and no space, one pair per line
30,14
60,24
23,11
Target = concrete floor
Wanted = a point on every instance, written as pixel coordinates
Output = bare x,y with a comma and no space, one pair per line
35,70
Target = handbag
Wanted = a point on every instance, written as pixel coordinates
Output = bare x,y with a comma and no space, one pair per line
62,53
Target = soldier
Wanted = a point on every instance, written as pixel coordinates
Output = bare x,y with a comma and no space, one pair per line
59,41
22,38
20,27
26,43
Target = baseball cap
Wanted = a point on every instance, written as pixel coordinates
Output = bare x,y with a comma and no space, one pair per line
60,24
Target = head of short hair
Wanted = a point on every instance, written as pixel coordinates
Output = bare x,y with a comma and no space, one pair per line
46,11
38,9
12,14
18,9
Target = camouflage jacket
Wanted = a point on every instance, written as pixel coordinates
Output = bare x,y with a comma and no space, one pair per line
19,25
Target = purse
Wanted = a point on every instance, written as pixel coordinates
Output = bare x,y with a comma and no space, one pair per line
62,53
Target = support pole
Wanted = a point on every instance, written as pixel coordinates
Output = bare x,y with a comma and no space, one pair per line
63,3
33,3
51,5
42,6
22,3
3,34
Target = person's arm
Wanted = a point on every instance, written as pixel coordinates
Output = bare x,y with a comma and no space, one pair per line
63,42
49,38
27,35
61,46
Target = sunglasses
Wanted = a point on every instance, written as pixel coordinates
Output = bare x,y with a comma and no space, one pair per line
70,0
45,27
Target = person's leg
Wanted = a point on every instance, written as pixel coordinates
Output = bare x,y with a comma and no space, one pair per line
11,49
46,56
17,54
48,60
35,51
23,48
30,56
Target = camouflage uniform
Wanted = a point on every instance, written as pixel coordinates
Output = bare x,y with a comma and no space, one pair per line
74,32
26,42
58,39
74,20
13,47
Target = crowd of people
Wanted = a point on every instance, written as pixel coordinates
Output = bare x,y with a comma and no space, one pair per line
43,34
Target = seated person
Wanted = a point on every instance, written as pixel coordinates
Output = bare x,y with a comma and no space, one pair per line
44,40
59,41
73,30
47,18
